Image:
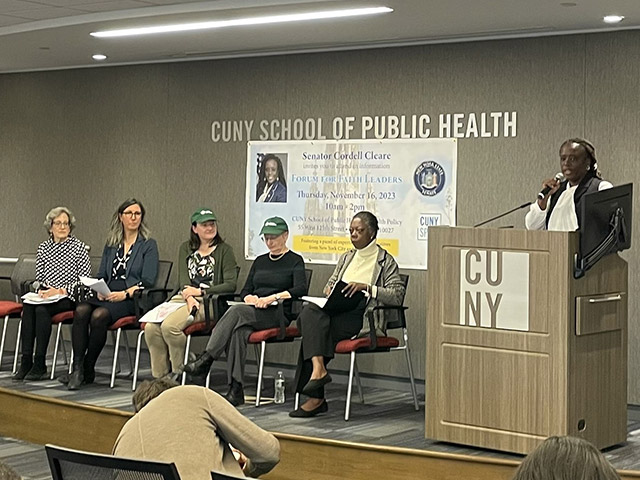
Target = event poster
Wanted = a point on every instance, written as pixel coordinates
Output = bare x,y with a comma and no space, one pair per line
318,186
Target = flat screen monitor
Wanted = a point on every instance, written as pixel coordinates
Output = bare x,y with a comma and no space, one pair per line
598,210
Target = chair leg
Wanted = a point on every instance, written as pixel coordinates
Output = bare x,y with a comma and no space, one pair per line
135,368
358,384
186,359
116,350
55,351
411,379
263,345
296,402
4,335
350,386
17,351
113,337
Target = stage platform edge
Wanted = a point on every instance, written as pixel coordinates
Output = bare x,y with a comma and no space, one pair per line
39,419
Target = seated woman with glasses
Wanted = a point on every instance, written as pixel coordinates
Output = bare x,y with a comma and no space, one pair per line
275,276
129,262
560,208
368,268
60,261
206,264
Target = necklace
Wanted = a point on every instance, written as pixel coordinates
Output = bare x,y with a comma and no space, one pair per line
277,257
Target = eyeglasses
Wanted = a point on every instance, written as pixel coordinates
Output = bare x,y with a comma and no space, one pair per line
267,238
60,224
132,214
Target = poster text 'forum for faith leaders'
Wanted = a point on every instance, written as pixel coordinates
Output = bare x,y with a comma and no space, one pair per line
318,186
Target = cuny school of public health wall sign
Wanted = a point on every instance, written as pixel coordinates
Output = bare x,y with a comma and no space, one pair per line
494,289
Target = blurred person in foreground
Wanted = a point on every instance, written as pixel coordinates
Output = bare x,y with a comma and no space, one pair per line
197,429
565,458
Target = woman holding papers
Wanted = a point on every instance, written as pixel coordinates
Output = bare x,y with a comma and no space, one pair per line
206,264
367,271
60,261
275,276
129,262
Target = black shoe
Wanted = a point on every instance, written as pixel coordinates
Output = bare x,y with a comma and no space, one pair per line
200,366
89,376
37,372
25,367
235,395
300,413
313,385
64,378
76,379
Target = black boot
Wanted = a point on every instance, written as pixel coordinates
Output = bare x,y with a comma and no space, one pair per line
76,378
235,395
200,366
89,372
38,371
25,365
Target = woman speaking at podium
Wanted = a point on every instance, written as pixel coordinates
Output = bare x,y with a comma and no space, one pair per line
559,202
367,268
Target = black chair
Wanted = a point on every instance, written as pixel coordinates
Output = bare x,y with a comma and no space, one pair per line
396,319
24,272
144,300
281,334
224,476
67,464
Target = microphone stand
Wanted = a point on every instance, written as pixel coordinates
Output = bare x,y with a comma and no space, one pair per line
524,205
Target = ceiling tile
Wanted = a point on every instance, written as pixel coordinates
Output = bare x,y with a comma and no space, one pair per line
6,20
47,13
8,6
112,5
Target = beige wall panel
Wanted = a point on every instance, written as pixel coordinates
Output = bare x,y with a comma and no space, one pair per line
612,103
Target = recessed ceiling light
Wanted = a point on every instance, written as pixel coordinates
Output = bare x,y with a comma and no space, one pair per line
294,17
613,18
99,57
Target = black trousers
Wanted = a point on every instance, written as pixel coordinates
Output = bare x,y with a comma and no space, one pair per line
321,333
36,325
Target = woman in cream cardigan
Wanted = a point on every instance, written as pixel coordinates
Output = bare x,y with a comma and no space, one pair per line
367,268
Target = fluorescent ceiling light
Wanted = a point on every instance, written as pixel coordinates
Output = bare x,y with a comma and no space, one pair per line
613,18
294,17
99,57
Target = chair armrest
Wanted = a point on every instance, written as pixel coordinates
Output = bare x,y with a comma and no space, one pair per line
217,301
25,286
372,326
148,298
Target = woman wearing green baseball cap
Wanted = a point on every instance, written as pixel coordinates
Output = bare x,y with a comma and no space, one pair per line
274,277
206,264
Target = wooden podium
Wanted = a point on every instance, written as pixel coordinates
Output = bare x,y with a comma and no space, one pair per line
517,349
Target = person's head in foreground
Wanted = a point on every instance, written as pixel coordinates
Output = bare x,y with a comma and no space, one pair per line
565,458
148,390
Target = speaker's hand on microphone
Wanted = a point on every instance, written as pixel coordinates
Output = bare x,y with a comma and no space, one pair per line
552,184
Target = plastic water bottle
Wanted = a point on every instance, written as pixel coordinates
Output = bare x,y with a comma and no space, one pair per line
278,396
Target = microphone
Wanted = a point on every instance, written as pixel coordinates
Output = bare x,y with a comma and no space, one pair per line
192,313
543,193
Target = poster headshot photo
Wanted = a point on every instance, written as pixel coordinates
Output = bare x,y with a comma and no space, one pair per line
271,182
